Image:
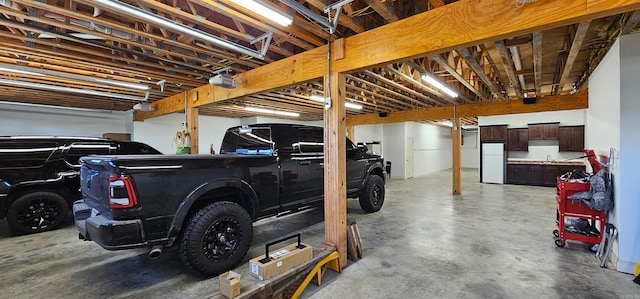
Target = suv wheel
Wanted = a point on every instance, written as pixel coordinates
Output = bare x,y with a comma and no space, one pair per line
372,195
216,238
37,212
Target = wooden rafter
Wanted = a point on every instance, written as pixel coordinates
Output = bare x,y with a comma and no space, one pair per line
507,63
537,61
423,38
443,63
549,103
479,70
382,10
576,44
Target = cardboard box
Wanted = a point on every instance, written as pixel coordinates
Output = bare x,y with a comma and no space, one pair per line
230,284
282,259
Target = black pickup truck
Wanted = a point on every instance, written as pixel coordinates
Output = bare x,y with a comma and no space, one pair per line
205,204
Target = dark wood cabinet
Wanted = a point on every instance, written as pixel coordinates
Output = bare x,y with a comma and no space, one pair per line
493,133
517,174
547,131
537,174
571,138
518,140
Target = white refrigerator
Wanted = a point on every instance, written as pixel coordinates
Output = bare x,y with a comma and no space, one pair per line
493,163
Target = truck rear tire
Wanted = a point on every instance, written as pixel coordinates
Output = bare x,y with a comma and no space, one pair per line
36,212
372,195
216,238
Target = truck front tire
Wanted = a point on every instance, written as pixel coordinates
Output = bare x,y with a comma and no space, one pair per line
36,212
216,238
372,195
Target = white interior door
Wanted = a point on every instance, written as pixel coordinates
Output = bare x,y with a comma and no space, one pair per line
408,154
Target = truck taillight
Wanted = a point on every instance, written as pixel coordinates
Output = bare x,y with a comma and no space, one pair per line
121,194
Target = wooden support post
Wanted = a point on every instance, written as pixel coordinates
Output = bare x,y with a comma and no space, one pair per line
192,128
335,190
351,133
456,138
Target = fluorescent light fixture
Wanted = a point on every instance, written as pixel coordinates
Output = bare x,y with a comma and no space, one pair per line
178,27
269,111
45,72
353,106
317,98
427,78
78,35
446,123
266,11
4,69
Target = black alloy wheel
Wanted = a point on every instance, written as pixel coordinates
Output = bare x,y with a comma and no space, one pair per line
37,212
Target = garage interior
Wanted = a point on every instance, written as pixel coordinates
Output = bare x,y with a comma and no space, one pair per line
420,78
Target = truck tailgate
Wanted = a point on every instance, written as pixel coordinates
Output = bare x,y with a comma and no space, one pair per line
94,181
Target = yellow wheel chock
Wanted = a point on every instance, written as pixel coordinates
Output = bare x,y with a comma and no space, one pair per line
316,274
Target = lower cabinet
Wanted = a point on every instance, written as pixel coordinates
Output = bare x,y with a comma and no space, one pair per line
537,174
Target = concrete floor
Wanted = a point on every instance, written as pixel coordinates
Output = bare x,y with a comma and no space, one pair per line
492,242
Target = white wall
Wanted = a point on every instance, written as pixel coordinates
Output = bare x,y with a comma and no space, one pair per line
160,131
539,149
21,119
432,148
393,150
470,149
612,122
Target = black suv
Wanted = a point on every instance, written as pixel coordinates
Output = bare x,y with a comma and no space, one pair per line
39,176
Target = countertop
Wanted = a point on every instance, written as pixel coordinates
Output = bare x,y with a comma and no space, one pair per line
542,162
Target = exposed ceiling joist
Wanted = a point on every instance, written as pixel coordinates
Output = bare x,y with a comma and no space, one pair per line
507,63
475,66
550,103
576,44
393,42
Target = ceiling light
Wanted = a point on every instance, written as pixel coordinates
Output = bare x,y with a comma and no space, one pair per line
45,72
266,11
431,80
269,111
317,98
180,28
72,90
446,123
353,106
143,107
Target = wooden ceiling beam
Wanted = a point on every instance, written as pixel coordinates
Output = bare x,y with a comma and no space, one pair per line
421,99
382,10
537,62
548,103
479,70
576,44
470,22
631,22
507,63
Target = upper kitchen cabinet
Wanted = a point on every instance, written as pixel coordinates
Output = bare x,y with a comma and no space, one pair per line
518,140
571,138
493,133
546,131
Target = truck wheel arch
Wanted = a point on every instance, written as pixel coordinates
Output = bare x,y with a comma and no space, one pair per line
199,197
